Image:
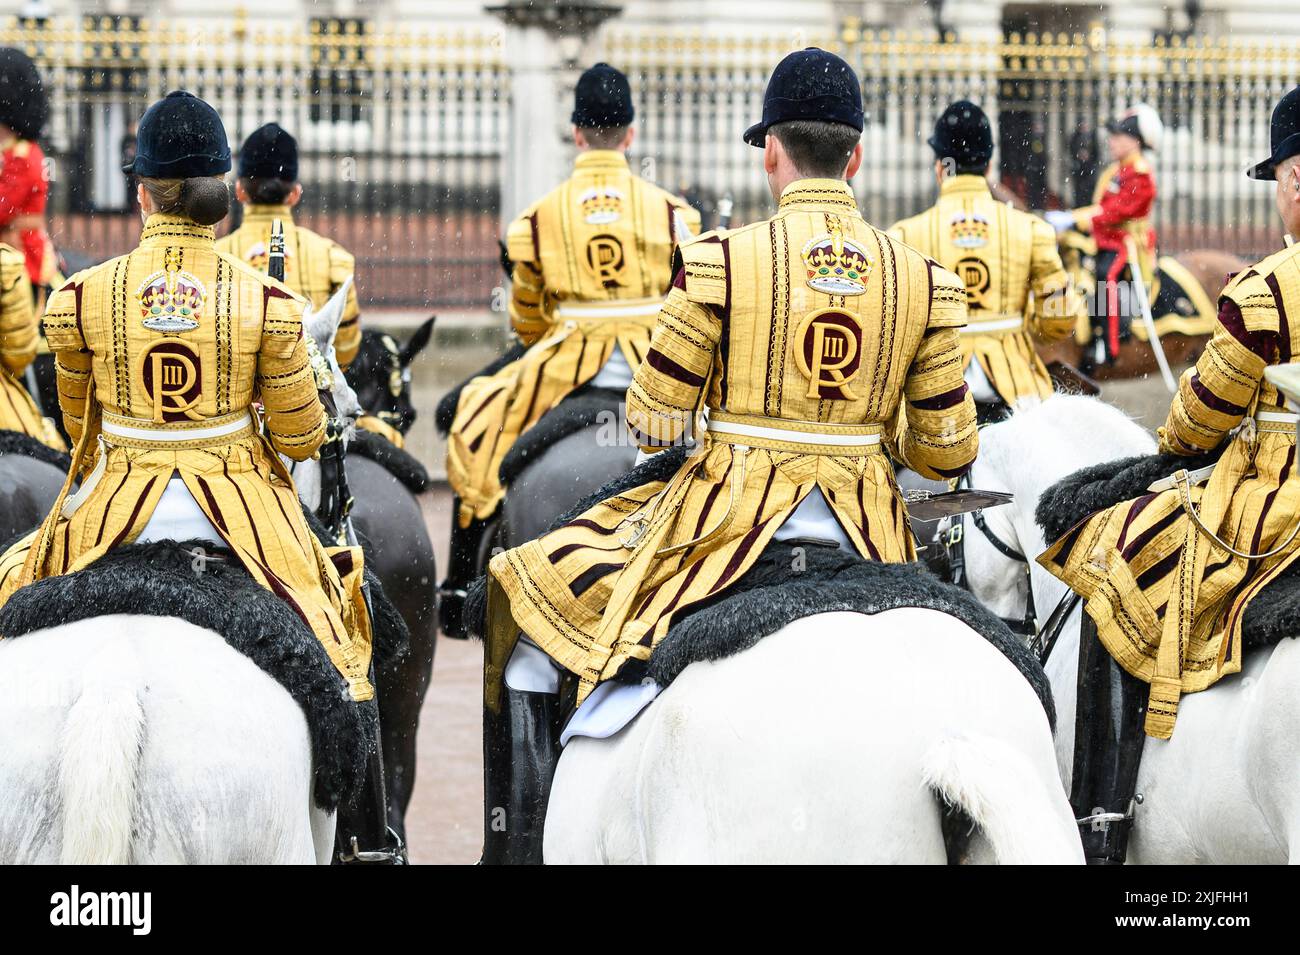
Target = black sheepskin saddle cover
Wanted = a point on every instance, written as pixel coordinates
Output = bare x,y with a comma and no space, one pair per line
445,413
1273,614
771,595
398,462
15,442
580,409
1095,488
164,579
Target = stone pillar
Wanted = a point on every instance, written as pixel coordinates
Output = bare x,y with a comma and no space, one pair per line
544,40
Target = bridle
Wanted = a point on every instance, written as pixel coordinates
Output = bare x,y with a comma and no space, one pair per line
335,495
335,502
1041,641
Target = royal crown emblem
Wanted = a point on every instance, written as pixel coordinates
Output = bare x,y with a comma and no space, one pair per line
171,300
836,265
969,231
602,205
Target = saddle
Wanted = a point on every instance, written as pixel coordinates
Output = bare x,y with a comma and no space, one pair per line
15,442
770,596
580,409
398,462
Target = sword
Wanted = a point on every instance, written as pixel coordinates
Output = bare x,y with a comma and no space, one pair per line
275,255
1144,304
926,505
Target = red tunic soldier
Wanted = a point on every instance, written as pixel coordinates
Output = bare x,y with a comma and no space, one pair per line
1120,218
24,181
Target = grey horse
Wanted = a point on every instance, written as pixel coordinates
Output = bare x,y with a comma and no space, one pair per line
31,476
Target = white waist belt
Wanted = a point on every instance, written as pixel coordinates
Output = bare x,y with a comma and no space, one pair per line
1277,417
1011,323
838,439
164,434
1201,475
642,308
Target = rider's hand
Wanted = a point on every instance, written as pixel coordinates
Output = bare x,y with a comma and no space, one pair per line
1059,219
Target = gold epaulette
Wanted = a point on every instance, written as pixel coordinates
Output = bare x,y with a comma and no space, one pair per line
705,269
1251,293
521,245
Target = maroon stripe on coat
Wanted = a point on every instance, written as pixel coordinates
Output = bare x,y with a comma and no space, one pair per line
1272,496
135,512
584,581
1283,326
479,409
1157,572
591,525
940,402
953,472
109,503
1148,535
252,524
560,553
866,526
709,500
1134,510
738,558
662,363
1213,401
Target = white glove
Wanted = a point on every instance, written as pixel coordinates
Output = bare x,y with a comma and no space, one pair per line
1059,219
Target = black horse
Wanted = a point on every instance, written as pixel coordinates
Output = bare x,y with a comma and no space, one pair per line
381,374
389,523
31,475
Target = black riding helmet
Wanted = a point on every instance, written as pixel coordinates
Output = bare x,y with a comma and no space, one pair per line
23,106
180,137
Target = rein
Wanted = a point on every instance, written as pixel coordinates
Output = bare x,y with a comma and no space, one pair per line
335,494
1041,641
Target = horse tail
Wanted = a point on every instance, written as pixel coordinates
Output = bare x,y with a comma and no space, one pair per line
996,786
99,765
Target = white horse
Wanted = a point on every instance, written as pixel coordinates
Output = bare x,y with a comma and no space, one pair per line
138,739
835,739
144,739
1226,787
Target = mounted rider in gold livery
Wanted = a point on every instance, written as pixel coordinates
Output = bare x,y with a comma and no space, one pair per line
1166,578
315,267
1017,291
590,271
801,337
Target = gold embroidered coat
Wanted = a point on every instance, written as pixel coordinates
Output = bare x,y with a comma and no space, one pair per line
314,266
804,335
156,350
1168,600
1017,290
591,268
19,339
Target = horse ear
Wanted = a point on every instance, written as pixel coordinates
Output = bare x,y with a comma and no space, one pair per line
417,342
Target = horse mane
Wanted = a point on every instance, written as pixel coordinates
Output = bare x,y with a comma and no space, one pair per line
1044,441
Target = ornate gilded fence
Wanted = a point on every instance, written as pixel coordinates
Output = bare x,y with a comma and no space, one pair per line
401,137
404,133
1048,96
